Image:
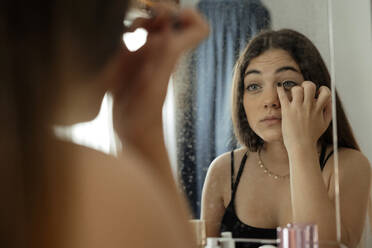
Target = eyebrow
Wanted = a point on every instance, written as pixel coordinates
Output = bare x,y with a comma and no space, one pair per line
281,69
286,68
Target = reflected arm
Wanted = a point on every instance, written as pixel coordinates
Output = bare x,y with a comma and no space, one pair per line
313,197
212,198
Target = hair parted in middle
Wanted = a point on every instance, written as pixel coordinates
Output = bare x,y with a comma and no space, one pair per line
312,67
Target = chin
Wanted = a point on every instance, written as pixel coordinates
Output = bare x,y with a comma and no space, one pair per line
271,136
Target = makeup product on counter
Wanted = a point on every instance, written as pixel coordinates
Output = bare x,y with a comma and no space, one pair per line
227,240
298,236
212,243
198,226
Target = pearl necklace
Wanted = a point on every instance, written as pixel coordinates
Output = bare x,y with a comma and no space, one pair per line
267,171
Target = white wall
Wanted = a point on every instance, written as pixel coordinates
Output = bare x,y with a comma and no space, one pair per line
307,17
353,65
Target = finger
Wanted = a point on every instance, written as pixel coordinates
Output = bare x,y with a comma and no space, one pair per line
185,29
164,6
192,28
163,15
327,112
297,94
140,22
283,98
309,92
323,98
157,13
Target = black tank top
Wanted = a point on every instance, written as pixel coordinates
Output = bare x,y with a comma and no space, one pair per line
231,222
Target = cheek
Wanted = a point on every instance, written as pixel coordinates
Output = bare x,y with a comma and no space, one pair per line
251,109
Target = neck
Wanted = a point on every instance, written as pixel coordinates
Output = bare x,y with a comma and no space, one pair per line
276,151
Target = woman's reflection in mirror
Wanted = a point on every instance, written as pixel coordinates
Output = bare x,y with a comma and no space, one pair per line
283,171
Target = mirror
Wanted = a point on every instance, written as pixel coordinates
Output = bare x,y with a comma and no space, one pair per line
309,18
350,64
203,129
351,67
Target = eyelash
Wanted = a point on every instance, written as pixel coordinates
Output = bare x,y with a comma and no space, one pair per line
289,81
284,83
252,84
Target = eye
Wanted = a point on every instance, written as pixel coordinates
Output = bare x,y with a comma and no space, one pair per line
288,84
253,87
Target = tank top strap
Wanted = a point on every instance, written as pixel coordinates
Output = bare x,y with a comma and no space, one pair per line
323,159
322,154
241,168
322,165
232,170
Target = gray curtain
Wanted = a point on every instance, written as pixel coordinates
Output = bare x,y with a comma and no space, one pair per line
204,128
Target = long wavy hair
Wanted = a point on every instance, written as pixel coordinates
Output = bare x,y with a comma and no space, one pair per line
312,67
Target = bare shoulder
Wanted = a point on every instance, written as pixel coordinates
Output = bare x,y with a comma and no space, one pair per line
354,168
350,161
216,175
353,163
348,155
111,201
105,171
219,172
222,164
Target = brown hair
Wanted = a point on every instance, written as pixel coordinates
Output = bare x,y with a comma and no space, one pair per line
312,67
29,33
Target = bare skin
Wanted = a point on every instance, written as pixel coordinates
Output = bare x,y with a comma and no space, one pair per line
95,200
290,147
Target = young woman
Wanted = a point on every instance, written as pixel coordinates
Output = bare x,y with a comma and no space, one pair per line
58,58
283,173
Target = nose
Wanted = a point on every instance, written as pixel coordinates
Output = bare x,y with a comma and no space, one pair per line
271,99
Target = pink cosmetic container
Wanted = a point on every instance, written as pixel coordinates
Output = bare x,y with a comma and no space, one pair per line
298,236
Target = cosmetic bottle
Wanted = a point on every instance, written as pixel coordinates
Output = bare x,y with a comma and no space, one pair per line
227,241
298,236
212,243
198,227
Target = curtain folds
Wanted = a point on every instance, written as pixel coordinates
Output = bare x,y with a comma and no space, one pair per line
203,88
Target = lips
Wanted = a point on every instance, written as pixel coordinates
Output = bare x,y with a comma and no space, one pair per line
272,118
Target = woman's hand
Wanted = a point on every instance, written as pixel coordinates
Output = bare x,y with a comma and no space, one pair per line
144,74
305,117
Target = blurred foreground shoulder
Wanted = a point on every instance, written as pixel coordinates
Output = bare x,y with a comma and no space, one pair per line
120,205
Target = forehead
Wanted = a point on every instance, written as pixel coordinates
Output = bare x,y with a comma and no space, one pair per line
271,60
